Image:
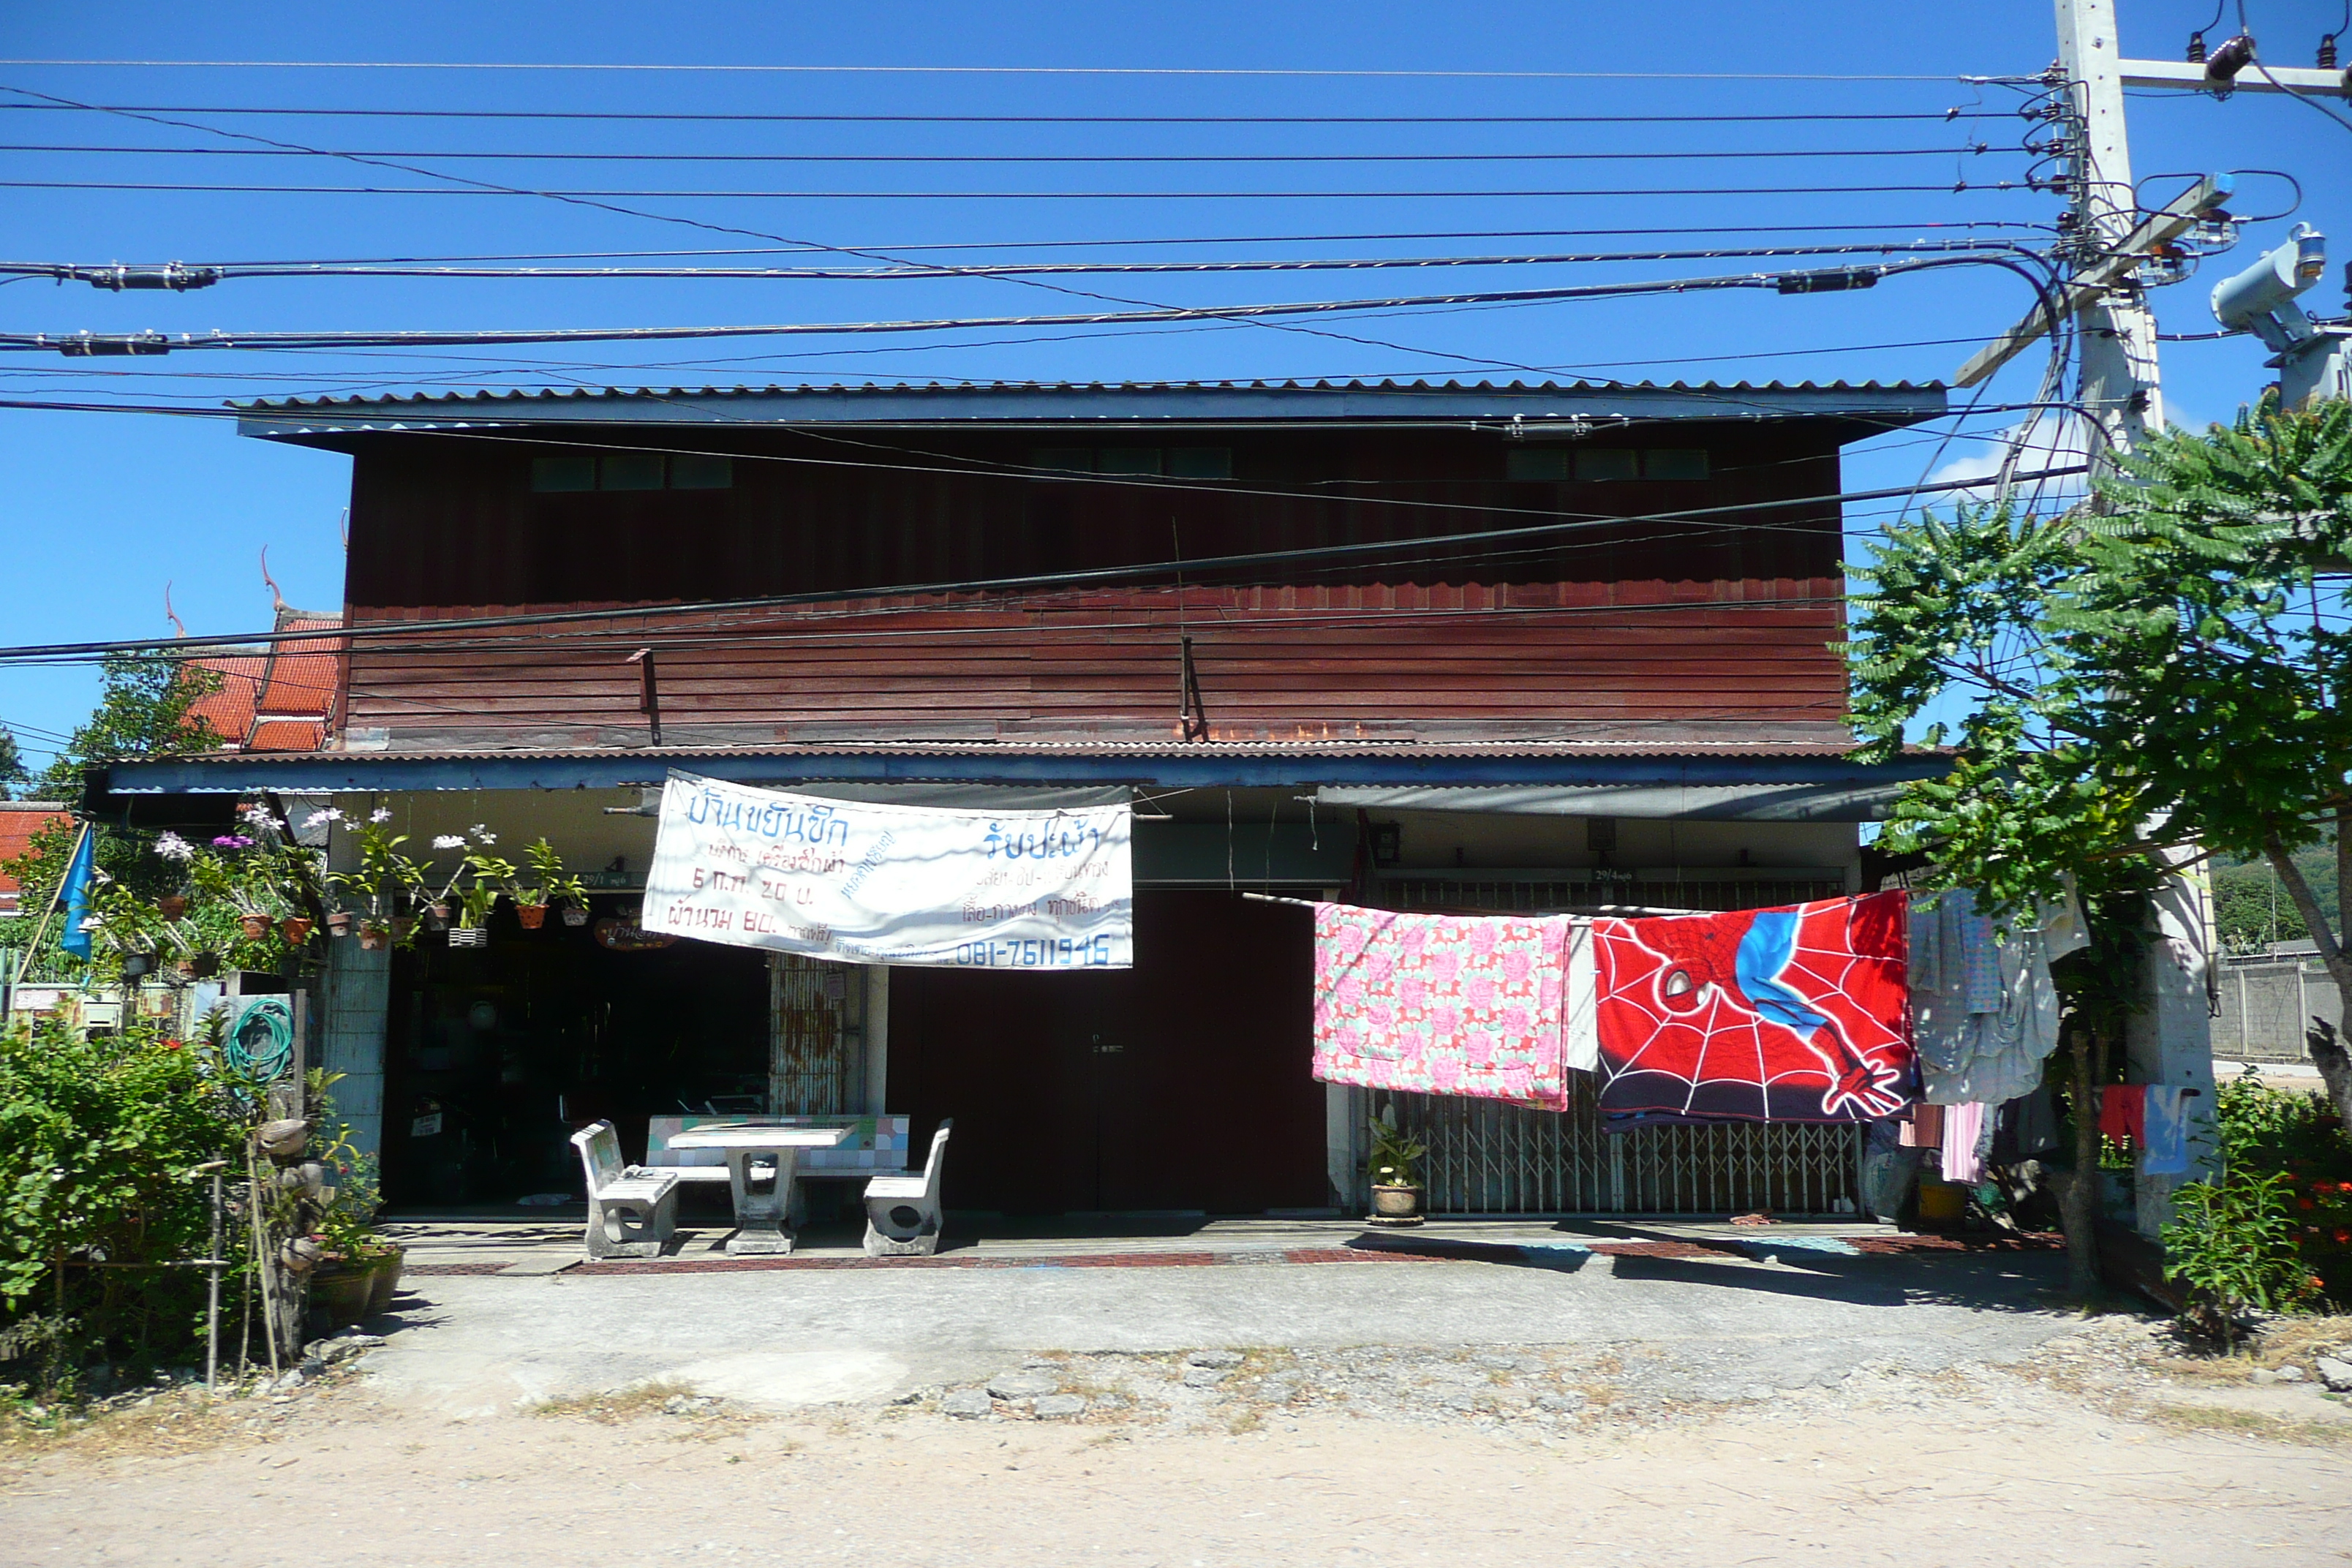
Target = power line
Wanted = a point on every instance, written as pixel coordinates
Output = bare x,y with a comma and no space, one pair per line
1151,243
632,115
181,275
487,186
1798,283
1053,158
56,651
641,66
183,187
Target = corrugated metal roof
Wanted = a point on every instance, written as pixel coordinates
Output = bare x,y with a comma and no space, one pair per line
1202,765
1447,751
1099,403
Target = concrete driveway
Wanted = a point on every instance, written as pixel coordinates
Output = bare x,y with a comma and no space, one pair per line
480,1344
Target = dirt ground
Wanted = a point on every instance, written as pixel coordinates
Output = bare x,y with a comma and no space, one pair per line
2101,1448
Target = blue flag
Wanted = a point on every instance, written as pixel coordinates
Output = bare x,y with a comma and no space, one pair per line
76,893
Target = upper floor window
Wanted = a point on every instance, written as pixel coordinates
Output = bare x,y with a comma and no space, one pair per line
632,471
1588,465
1174,462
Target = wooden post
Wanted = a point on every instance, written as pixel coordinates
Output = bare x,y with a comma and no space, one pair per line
649,695
212,1295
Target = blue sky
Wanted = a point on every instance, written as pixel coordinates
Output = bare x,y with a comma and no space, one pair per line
103,510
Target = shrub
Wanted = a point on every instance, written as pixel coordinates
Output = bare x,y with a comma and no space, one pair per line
2273,1230
99,1141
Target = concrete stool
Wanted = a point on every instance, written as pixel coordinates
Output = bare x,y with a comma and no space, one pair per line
632,1212
902,1212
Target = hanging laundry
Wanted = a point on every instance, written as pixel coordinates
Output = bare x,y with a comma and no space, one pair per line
1923,1128
1463,1005
1964,1135
1786,1015
1969,1052
2164,1119
2123,1113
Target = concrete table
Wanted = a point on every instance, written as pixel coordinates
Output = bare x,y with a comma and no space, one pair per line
760,1204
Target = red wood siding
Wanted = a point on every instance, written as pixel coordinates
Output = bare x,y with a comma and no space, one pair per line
1642,627
1332,663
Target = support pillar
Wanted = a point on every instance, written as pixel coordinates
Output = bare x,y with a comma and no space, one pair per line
2170,1039
355,999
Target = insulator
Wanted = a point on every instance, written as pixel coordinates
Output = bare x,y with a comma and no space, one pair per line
2196,48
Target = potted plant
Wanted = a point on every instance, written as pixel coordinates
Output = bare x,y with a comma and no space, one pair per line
228,874
550,882
386,880
488,875
1396,1173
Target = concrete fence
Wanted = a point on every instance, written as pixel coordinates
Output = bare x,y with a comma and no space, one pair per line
2267,1000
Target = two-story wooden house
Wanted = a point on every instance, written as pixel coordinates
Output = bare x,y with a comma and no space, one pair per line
1458,646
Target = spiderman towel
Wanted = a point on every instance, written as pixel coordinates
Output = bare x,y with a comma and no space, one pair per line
1786,1015
1466,1004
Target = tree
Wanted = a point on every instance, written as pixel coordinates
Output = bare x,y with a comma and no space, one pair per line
12,763
2166,667
146,707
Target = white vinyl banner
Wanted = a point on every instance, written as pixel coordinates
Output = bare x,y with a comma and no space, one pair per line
868,883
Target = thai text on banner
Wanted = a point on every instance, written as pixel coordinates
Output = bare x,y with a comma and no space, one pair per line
869,883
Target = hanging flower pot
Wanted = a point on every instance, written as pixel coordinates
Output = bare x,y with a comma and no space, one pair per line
204,965
138,965
256,927
402,925
574,915
532,916
295,928
468,936
436,916
340,923
374,937
172,906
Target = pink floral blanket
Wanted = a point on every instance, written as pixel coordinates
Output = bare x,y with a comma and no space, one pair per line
1466,1004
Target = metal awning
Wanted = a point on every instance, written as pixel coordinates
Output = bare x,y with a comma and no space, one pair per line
1839,801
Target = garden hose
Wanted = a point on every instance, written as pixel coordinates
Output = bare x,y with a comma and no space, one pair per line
260,1043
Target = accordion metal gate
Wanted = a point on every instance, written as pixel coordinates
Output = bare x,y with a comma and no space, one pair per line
1487,1157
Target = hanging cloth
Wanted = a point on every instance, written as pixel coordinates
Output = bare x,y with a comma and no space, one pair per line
1462,1004
2123,1113
1785,1015
1964,1129
1970,1053
2165,1152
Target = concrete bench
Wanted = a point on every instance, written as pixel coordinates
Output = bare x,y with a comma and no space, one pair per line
902,1212
632,1211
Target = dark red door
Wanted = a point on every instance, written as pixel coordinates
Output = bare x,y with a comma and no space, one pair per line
1183,1083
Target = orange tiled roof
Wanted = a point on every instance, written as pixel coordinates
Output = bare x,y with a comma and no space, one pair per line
19,820
280,699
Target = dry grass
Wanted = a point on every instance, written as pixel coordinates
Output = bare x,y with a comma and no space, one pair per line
614,1405
2253,1424
181,1424
2288,1342
2302,1340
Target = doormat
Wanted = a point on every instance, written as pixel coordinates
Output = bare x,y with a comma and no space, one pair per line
442,1271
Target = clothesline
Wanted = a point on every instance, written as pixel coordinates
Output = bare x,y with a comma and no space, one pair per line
1591,908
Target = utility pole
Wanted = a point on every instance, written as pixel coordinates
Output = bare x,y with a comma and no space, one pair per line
2120,395
2121,398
